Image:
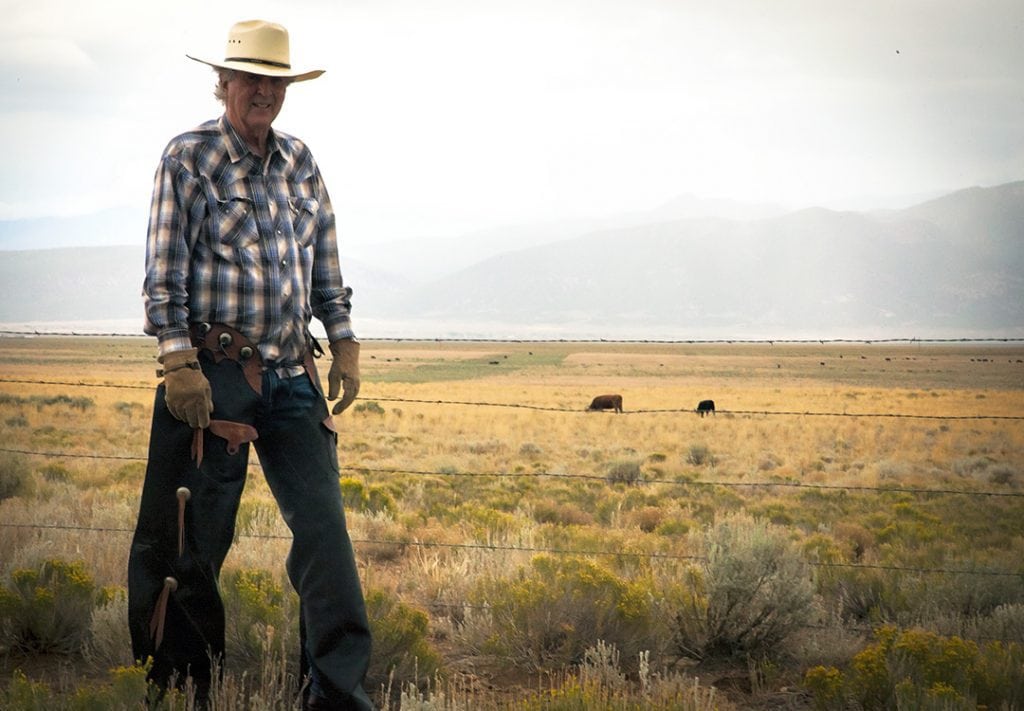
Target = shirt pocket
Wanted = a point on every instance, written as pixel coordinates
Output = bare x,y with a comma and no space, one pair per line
235,221
304,219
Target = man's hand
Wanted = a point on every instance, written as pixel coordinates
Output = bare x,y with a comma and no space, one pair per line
188,395
344,373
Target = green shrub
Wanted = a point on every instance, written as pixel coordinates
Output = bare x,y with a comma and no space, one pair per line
48,609
484,522
1003,475
672,528
529,449
753,591
549,613
15,421
1004,622
14,475
56,473
919,669
353,493
41,401
259,615
866,594
109,643
560,514
128,409
401,646
75,403
132,472
599,683
624,472
369,407
966,595
699,455
648,518
24,694
127,690
826,687
373,499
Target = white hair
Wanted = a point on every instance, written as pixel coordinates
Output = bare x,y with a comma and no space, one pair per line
220,91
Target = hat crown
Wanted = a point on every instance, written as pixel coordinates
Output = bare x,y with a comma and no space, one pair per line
259,47
259,42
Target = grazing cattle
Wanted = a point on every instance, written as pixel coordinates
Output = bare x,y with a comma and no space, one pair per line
606,402
705,406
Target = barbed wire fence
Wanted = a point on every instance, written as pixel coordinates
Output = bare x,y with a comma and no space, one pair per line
643,481
544,408
661,341
684,483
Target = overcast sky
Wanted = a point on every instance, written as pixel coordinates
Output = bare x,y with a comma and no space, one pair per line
436,117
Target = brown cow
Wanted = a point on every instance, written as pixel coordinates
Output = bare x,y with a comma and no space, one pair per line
606,402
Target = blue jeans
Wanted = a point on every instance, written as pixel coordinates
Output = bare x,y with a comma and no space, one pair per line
296,446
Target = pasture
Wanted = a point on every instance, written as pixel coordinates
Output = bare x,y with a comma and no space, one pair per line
846,503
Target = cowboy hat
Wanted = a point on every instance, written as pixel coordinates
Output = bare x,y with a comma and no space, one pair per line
259,47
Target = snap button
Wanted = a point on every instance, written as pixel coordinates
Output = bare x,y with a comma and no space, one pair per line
245,353
225,340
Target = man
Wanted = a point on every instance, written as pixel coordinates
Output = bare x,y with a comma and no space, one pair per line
241,253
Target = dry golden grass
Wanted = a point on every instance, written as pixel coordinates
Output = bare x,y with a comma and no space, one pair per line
477,444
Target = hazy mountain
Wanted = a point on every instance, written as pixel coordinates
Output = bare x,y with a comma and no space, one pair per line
116,226
68,284
105,284
425,259
949,266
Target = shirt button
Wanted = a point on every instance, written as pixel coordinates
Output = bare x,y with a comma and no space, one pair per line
284,262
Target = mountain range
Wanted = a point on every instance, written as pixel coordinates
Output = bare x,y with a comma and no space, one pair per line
952,266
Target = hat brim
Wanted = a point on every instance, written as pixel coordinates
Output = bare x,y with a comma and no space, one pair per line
265,70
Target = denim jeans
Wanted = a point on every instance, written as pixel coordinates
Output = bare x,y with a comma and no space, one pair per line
296,446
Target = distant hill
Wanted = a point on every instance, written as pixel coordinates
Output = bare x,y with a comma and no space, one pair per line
949,266
72,283
105,284
115,226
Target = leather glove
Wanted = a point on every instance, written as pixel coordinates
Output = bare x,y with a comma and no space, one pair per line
188,395
344,373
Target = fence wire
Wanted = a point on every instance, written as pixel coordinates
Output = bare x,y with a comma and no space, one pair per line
584,552
363,469
656,341
494,547
546,408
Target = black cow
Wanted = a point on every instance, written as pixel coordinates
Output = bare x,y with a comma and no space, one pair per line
606,402
705,406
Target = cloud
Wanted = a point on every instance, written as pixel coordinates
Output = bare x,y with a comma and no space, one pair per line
468,113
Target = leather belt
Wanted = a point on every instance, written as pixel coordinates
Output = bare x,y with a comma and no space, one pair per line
221,341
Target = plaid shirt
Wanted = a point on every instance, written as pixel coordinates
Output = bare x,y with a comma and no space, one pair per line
244,241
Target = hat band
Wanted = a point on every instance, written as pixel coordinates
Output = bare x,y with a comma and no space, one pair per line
282,65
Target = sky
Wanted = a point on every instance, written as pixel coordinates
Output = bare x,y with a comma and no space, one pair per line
441,117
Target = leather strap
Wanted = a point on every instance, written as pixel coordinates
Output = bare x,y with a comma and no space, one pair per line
222,341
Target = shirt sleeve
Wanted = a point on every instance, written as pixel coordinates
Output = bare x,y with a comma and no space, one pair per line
330,298
176,197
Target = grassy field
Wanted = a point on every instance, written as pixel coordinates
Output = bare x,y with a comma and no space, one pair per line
850,520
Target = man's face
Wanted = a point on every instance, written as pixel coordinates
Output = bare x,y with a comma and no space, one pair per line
253,102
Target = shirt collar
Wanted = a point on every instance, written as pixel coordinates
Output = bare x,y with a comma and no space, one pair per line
238,148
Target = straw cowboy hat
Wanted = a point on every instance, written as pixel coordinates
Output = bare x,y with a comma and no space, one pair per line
259,47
